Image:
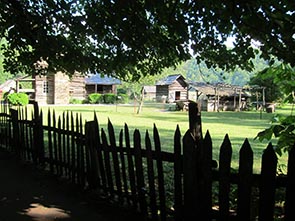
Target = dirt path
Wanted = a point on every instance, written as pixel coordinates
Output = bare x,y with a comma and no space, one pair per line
26,194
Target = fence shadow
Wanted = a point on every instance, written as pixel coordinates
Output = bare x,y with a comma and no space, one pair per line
134,171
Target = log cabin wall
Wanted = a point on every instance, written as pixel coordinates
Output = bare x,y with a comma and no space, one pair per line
61,88
77,88
44,89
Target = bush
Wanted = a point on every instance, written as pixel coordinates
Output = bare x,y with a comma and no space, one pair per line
76,101
21,99
95,98
109,98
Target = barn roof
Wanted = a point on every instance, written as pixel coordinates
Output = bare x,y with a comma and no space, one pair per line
223,89
170,79
101,79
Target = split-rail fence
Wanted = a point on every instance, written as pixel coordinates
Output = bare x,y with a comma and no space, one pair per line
184,184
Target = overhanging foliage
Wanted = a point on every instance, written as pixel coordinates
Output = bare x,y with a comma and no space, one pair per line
128,39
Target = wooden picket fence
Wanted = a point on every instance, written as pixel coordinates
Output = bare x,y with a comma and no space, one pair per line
134,172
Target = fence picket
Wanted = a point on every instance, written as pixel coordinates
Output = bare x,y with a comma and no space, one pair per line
55,132
130,167
205,203
161,181
115,160
106,152
224,178
141,188
267,184
68,153
189,178
245,182
123,165
50,146
151,177
91,156
73,147
178,199
99,152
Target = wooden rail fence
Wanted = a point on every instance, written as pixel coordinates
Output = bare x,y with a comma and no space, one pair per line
184,184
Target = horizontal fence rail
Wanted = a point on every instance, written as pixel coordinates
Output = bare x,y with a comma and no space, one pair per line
132,170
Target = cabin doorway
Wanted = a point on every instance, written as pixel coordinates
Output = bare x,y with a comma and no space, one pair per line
177,95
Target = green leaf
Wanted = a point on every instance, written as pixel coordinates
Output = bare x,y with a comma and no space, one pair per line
265,134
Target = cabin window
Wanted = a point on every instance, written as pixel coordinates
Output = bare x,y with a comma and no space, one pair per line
177,95
99,89
45,87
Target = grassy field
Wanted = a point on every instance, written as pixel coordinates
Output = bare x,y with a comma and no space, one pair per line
238,125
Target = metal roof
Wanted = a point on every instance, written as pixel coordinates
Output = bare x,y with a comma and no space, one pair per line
101,79
169,79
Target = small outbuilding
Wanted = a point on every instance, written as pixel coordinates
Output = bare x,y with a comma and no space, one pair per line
215,97
149,93
172,88
97,83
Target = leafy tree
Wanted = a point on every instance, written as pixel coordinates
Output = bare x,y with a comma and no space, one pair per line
3,74
282,128
130,39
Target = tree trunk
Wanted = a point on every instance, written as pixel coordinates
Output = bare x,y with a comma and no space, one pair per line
140,101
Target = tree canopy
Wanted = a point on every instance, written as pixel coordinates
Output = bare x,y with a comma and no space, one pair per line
128,39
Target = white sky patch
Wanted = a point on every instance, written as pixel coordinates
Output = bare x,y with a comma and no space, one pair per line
230,42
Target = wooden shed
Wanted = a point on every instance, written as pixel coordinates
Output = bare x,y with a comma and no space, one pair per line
97,83
172,88
215,97
149,93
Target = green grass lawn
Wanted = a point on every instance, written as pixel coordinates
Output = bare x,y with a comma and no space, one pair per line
238,125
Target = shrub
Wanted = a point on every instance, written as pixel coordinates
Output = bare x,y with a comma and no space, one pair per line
18,99
76,101
109,98
95,98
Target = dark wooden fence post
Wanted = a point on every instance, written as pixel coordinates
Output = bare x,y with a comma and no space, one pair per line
38,148
267,184
197,176
224,178
290,190
15,133
245,182
91,134
178,190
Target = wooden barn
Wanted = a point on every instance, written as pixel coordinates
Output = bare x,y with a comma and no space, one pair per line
172,88
101,84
